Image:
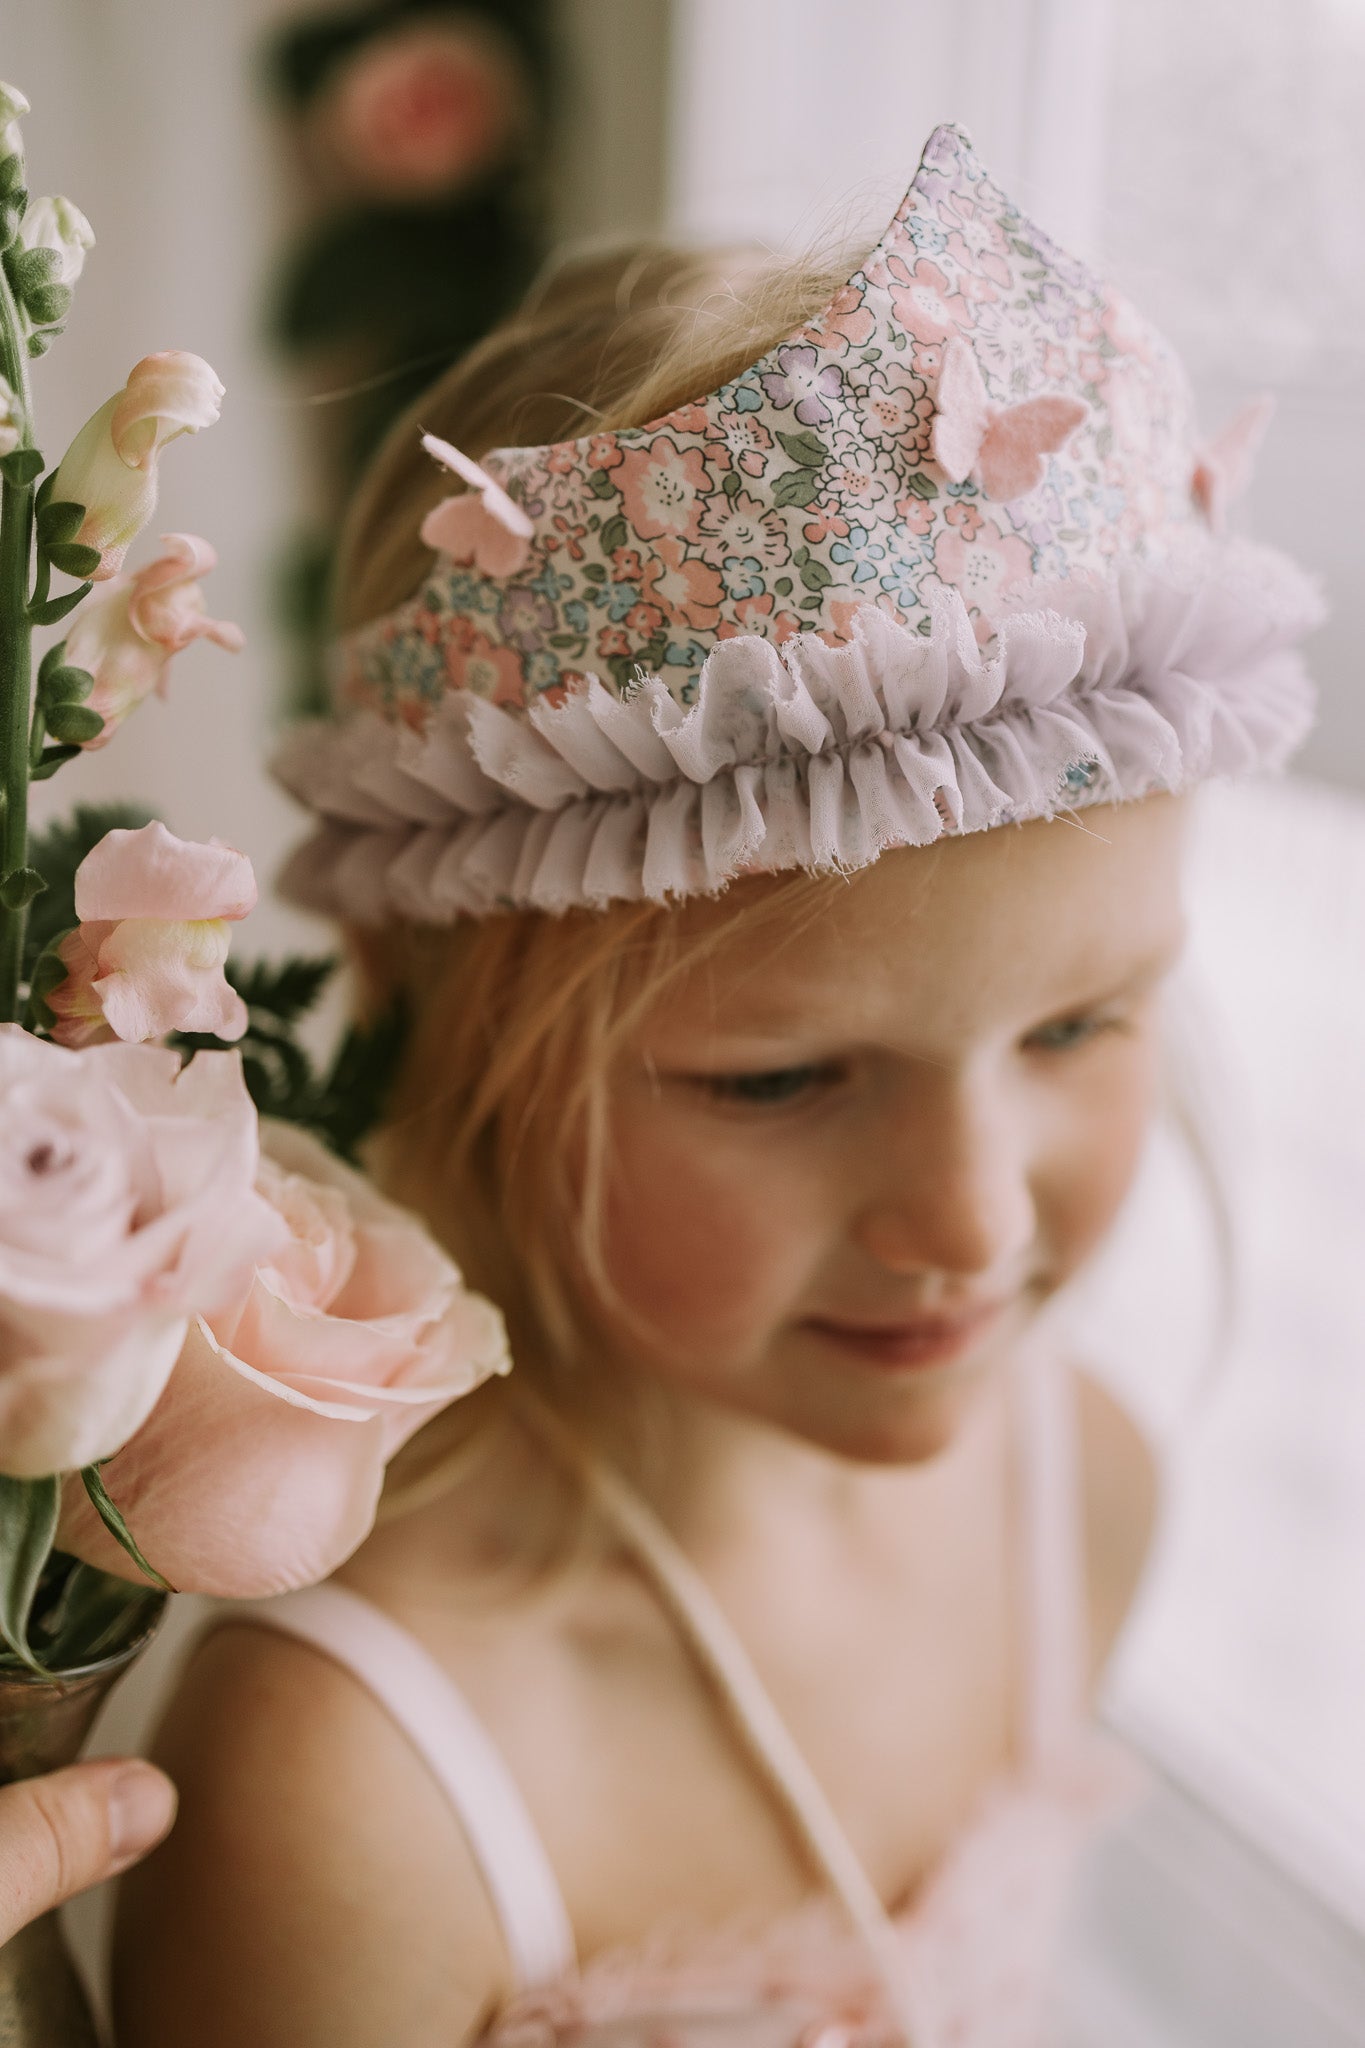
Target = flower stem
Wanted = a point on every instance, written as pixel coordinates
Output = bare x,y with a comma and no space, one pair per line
16,657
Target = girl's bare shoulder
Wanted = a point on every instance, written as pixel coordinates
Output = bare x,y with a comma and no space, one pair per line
317,1885
1121,1493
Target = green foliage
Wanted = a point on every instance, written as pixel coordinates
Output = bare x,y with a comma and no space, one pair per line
64,685
71,558
73,724
340,1101
805,449
58,519
796,487
50,760
56,854
47,303
28,1524
19,889
49,972
81,1614
51,609
21,465
285,990
118,1528
30,270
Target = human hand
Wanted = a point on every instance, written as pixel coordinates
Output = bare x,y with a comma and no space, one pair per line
64,1832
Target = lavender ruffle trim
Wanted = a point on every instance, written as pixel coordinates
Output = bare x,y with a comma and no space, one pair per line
810,756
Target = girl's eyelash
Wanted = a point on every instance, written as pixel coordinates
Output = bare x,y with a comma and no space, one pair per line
777,1086
766,1090
1069,1033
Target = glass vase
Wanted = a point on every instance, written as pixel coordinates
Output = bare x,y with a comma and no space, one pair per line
43,1723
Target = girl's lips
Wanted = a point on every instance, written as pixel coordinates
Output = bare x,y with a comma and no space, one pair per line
933,1340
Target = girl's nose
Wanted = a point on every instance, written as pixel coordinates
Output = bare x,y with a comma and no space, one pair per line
952,1190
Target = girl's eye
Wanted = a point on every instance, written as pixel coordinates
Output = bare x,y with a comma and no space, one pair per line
782,1084
1069,1033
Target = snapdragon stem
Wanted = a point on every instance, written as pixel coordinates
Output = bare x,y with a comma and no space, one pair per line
16,657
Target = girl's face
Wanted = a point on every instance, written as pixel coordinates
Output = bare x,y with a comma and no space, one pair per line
849,1164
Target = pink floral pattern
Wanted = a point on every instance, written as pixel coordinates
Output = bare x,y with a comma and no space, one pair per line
805,489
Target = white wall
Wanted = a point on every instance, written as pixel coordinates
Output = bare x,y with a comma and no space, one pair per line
792,117
143,114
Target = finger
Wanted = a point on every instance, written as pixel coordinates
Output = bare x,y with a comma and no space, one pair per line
71,1829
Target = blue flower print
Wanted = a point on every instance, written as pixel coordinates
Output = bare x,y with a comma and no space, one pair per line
621,598
742,577
903,578
928,237
862,551
550,584
576,615
688,654
742,396
541,671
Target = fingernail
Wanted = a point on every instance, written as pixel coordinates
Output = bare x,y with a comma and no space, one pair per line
141,1809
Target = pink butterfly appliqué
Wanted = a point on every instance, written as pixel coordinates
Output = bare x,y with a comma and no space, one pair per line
1222,467
1002,446
483,525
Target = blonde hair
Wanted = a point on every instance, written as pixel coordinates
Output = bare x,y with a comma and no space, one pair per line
497,1131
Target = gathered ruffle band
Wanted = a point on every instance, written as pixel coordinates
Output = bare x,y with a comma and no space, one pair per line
807,755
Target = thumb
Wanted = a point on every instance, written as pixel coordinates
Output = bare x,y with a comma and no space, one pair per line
70,1829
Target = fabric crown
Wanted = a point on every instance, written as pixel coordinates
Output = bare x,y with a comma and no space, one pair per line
946,558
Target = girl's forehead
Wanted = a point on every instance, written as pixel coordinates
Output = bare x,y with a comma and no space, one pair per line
1044,913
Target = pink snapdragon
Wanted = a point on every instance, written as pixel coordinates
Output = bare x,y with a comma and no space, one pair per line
261,1466
148,954
111,466
126,632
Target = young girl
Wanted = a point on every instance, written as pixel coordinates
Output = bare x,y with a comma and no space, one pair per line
723,1675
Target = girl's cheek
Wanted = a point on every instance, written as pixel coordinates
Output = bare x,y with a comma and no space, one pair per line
1084,1183
703,1241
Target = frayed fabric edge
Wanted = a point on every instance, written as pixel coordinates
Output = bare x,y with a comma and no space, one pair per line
807,755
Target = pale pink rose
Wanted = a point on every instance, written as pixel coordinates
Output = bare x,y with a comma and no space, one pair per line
416,112
111,466
127,1203
148,954
126,632
261,1467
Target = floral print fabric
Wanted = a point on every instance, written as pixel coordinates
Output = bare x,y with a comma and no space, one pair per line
807,488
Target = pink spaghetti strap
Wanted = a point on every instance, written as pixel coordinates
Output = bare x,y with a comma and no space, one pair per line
442,1727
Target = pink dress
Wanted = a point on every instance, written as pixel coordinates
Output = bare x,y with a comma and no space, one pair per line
968,1965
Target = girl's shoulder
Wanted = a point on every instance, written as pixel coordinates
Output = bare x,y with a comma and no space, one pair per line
1120,1502
305,1816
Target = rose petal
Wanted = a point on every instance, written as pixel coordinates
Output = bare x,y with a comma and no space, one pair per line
232,1491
